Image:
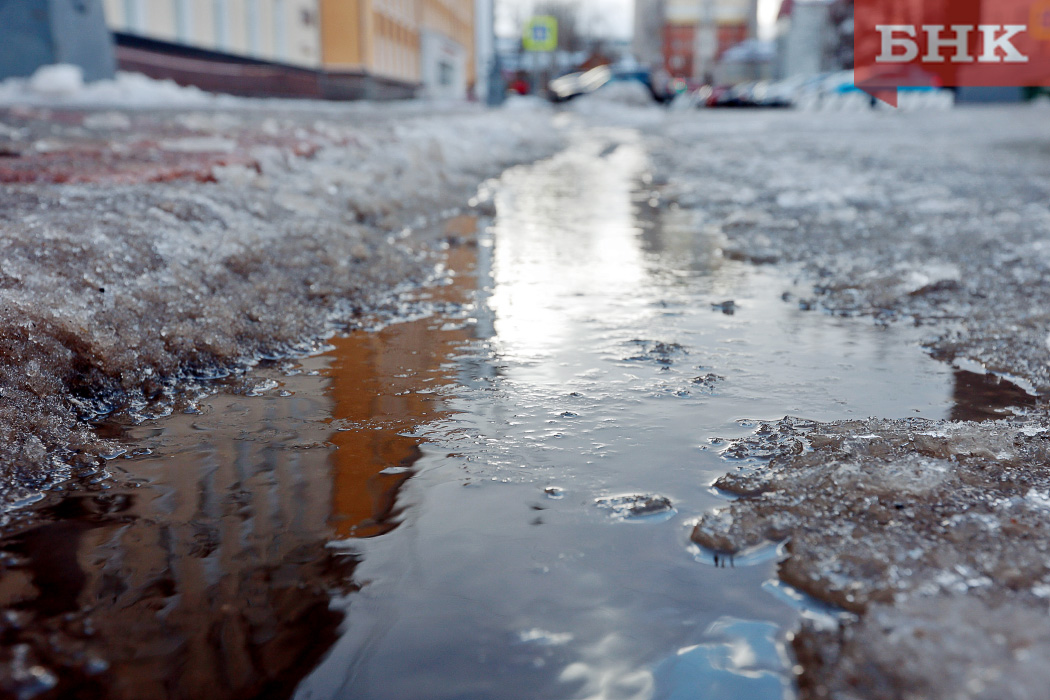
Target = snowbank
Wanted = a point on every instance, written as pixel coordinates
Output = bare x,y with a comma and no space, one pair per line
110,294
935,533
63,85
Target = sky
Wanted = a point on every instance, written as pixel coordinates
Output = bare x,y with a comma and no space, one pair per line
611,18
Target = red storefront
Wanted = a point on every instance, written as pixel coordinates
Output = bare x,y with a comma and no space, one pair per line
680,45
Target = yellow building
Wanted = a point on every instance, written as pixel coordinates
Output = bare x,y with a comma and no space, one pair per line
447,46
426,43
340,49
379,38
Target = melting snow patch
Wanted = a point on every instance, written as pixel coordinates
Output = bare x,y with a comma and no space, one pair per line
1039,499
63,84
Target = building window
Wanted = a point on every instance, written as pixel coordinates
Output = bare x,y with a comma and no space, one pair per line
135,15
184,20
445,71
251,10
280,31
222,23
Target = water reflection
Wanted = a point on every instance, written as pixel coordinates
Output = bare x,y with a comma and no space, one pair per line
383,386
512,575
204,573
744,659
545,282
985,396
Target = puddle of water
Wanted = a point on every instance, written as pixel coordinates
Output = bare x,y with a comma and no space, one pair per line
745,659
203,569
612,365
203,574
491,502
981,396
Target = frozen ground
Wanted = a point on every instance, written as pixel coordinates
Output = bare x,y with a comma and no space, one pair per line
143,249
940,218
934,534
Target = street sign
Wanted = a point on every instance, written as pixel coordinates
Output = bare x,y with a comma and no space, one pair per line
541,34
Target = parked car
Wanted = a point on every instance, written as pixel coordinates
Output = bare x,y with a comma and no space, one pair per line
755,94
573,85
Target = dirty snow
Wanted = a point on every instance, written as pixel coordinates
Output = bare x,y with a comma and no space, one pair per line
938,218
925,648
933,533
264,230
928,530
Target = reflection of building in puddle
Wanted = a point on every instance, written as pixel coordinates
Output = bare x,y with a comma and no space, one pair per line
211,579
384,385
206,575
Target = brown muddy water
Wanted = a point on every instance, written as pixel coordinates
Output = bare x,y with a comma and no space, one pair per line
491,501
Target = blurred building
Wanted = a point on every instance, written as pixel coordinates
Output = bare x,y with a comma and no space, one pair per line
751,59
337,49
814,36
487,81
647,44
696,34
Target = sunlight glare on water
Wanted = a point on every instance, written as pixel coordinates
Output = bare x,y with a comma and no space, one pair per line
543,281
544,550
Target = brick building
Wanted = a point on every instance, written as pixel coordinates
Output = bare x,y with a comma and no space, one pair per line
697,33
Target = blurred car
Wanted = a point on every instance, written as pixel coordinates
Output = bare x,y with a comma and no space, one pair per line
573,85
839,90
755,94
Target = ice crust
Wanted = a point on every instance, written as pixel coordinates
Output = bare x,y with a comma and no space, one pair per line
934,534
939,218
886,517
948,646
115,288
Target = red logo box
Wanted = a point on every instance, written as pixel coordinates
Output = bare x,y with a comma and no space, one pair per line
950,43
